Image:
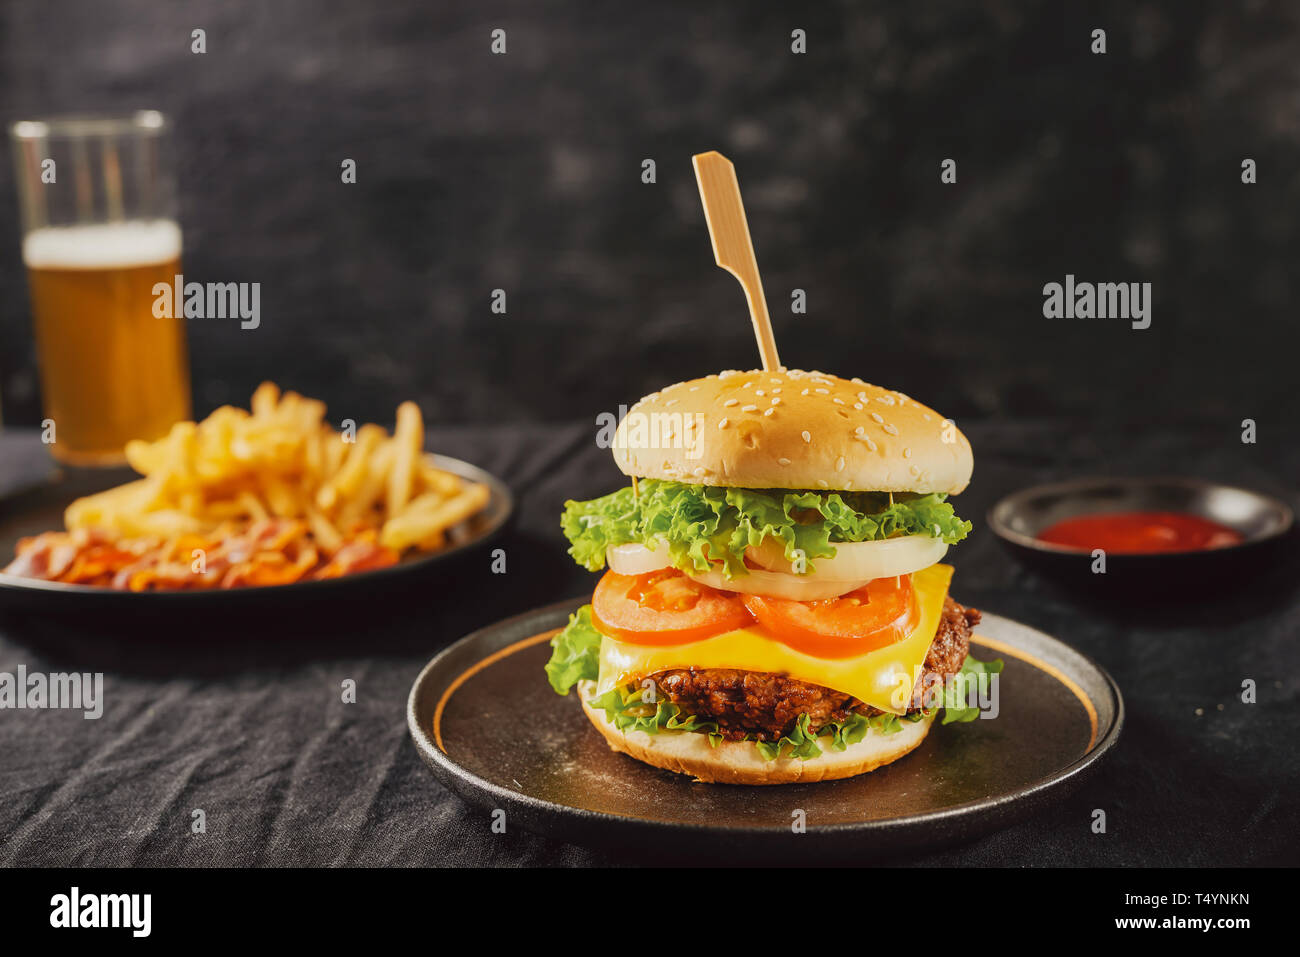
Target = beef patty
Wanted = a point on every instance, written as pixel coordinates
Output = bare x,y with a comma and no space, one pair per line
765,705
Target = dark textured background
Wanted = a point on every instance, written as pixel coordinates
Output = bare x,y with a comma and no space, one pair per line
522,172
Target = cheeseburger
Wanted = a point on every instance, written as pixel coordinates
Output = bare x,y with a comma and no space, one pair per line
774,608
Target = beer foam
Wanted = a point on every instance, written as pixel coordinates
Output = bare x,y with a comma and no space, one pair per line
103,245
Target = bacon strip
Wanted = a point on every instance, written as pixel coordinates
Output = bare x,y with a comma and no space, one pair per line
271,551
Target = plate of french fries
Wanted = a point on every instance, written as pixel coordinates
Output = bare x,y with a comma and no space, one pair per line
269,496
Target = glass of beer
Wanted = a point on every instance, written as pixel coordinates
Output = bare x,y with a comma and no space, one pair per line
98,204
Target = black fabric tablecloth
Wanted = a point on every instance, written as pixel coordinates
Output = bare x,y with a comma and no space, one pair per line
246,722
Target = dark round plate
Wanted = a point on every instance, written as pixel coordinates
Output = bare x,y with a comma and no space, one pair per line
1264,522
489,726
40,508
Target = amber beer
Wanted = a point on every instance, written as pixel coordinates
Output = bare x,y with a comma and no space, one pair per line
99,231
111,370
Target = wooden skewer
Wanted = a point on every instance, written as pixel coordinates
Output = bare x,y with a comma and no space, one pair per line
732,248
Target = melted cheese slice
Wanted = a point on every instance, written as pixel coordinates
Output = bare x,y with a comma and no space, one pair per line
882,678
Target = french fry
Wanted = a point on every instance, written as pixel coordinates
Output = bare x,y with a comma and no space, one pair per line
310,414
412,526
353,472
408,441
282,498
225,511
253,505
191,501
432,542
423,502
435,478
370,491
146,457
313,456
265,398
334,450
327,536
163,523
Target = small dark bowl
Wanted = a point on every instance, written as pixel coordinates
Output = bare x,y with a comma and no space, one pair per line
1265,522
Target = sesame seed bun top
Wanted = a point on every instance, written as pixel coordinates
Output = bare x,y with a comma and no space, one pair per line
792,429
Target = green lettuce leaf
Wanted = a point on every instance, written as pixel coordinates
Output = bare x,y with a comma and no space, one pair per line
575,653
975,673
699,523
628,710
799,743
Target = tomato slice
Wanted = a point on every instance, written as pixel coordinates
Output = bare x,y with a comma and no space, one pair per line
879,613
664,607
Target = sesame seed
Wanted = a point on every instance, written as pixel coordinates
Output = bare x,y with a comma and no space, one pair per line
783,461
807,436
700,471
839,464
730,402
891,429
871,445
823,483
907,453
858,406
694,388
860,431
927,416
877,417
724,423
670,402
749,408
776,401
887,399
776,391
837,400
759,392
768,411
823,391
914,470
777,382
804,392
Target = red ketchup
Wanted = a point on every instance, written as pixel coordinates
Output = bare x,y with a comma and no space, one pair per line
1140,532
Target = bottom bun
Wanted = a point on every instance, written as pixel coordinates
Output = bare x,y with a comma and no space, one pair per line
739,762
